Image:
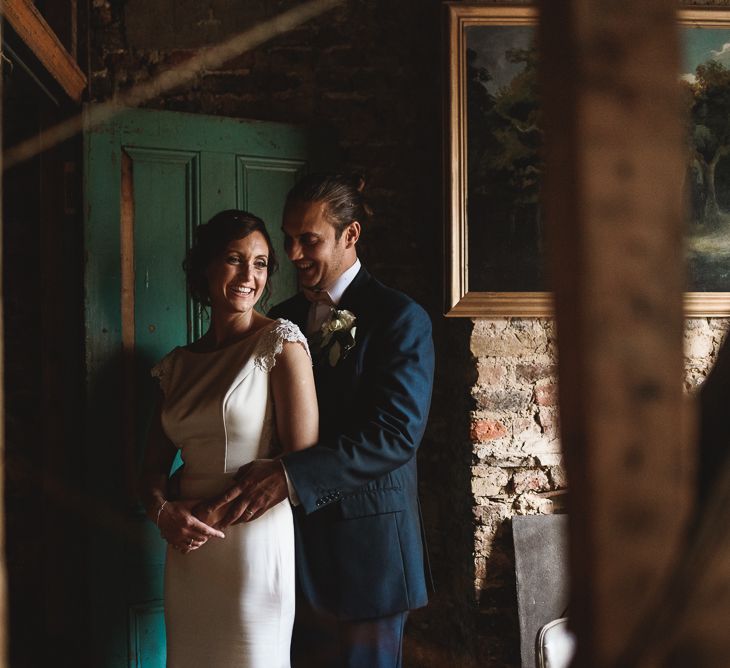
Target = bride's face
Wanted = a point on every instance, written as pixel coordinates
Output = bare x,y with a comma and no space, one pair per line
237,278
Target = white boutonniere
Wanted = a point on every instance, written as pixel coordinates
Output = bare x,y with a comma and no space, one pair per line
338,333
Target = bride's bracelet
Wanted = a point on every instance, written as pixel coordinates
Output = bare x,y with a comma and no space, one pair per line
159,512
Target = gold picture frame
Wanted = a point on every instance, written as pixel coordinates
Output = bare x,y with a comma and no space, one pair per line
460,301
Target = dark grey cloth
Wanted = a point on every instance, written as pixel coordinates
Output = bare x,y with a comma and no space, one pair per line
714,427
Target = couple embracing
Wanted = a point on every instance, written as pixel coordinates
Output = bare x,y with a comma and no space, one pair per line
296,525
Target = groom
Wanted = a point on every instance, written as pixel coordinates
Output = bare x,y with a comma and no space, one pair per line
359,542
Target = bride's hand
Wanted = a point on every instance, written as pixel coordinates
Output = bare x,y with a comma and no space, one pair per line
212,517
181,529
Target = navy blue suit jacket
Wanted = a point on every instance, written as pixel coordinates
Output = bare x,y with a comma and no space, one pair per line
360,550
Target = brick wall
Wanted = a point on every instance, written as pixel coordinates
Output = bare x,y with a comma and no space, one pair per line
517,464
371,73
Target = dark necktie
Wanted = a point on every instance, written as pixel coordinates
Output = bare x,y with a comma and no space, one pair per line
320,307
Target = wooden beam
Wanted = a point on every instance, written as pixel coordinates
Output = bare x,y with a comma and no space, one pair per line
614,214
32,28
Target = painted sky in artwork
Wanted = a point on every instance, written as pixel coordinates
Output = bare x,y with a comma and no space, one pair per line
702,44
490,43
698,46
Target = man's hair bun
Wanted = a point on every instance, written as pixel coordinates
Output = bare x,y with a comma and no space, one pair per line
358,182
341,193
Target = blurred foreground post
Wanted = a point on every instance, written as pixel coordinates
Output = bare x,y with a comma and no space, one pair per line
613,205
3,586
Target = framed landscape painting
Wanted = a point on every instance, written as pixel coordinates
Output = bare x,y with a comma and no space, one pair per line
495,230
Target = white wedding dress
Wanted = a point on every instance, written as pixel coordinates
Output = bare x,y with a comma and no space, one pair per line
229,604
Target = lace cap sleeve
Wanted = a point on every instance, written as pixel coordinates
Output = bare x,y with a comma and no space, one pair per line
272,343
162,371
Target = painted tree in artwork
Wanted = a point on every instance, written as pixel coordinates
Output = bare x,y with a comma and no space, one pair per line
519,136
505,165
710,140
480,112
505,134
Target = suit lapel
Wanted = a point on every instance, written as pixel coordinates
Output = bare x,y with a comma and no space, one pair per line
299,312
329,378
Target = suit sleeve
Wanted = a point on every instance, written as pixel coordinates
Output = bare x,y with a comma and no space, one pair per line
389,422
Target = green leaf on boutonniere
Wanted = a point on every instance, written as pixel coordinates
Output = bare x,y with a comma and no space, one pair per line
338,334
334,354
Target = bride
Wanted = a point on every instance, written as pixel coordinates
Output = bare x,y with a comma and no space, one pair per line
242,391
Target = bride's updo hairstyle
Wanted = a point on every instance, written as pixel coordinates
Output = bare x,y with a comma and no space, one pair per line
211,241
342,195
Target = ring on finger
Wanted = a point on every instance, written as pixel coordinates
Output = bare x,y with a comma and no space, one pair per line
249,513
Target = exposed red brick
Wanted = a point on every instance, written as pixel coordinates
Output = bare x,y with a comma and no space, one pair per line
490,373
546,395
487,430
534,372
558,477
548,419
498,399
530,480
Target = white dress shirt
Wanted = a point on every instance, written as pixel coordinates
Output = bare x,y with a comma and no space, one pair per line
319,310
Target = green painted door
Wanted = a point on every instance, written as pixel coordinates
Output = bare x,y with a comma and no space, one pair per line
150,178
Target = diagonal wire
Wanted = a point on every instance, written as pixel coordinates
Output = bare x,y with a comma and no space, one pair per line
208,59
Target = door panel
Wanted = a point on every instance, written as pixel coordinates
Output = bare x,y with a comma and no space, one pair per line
146,636
262,188
150,178
166,190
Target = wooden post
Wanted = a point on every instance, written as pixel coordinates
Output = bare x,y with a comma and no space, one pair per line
613,207
3,585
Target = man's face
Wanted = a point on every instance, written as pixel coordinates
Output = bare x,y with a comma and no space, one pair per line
310,243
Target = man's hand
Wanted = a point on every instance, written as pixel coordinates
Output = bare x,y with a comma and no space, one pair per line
260,485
